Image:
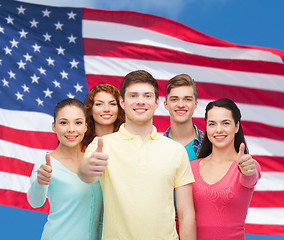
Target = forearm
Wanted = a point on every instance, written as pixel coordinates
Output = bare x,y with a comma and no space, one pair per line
187,228
250,181
37,193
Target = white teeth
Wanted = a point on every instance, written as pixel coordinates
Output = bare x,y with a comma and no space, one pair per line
140,110
219,137
70,137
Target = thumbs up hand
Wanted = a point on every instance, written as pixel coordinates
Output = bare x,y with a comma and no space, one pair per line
95,165
245,162
44,172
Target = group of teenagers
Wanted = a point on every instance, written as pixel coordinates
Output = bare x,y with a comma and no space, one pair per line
113,176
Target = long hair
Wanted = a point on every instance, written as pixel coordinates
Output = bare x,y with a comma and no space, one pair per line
206,149
89,102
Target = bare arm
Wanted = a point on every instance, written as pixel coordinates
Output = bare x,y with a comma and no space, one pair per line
186,212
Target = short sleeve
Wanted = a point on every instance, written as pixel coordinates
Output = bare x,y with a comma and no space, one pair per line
184,173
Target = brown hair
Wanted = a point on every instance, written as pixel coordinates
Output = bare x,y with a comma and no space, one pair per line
230,105
179,81
68,102
89,102
138,76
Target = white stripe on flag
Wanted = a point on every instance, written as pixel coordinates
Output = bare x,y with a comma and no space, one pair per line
14,182
164,70
270,181
131,34
272,216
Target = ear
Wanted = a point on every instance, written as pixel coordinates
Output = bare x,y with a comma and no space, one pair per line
86,127
166,104
196,104
237,127
157,103
121,102
53,127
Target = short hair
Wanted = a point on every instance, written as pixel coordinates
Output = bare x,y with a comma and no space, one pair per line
138,76
206,149
68,102
179,81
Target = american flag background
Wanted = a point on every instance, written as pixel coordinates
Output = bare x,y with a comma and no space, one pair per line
50,53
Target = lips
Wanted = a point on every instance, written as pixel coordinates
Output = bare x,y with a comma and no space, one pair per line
181,112
106,116
220,137
140,110
71,138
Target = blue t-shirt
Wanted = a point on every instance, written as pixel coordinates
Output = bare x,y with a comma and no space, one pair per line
75,207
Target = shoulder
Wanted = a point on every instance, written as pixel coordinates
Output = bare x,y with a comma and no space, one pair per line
195,163
169,142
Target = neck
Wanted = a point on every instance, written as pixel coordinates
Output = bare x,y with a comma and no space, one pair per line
63,152
183,133
102,130
223,154
142,130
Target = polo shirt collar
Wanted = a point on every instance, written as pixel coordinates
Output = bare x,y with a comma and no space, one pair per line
128,136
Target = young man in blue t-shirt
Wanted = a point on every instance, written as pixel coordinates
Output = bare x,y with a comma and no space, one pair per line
181,101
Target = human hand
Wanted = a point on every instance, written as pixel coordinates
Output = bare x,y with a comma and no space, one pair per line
245,162
44,172
97,162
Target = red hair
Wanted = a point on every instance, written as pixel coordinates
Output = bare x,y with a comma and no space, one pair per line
89,102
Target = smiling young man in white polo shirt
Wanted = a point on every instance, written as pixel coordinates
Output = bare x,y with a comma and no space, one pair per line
139,170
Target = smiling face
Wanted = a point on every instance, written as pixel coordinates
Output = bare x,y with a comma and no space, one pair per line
105,109
181,104
221,128
70,125
139,103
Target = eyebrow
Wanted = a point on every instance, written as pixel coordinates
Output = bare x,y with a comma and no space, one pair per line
142,93
103,101
182,97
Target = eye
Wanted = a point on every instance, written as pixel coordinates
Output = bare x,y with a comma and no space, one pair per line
79,122
113,104
226,123
211,124
98,104
173,99
188,99
62,122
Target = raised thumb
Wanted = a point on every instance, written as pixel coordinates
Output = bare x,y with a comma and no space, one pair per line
47,159
100,145
241,151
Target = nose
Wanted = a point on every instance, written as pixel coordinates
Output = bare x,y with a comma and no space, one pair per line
106,108
219,128
181,103
140,99
71,127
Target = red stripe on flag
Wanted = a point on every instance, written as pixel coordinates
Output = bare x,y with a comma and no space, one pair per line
38,140
19,200
270,163
16,166
267,199
211,91
155,23
264,229
165,26
107,48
